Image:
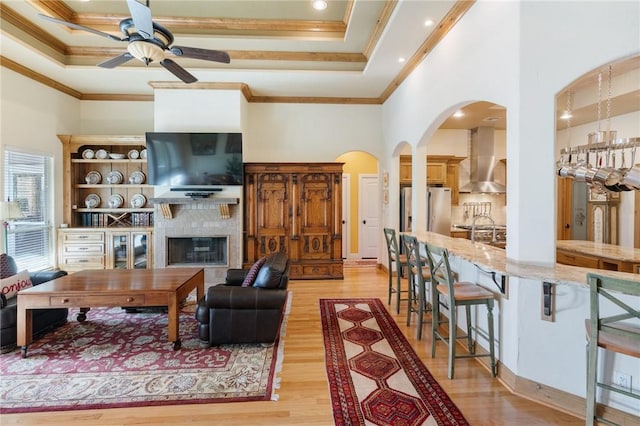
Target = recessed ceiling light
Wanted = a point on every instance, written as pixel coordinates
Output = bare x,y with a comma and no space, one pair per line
490,119
401,60
429,23
458,114
320,4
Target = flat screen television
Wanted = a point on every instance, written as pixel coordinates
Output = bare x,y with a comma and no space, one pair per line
194,159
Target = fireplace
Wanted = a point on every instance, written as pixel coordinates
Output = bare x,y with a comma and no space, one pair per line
200,233
205,251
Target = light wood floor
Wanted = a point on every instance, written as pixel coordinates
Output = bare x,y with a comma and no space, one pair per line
304,395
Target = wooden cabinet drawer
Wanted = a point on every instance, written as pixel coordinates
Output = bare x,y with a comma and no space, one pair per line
74,237
82,262
83,248
88,301
314,270
574,259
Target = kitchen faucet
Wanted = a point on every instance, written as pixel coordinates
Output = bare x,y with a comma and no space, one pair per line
473,226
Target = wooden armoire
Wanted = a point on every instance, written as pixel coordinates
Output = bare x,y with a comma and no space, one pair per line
295,208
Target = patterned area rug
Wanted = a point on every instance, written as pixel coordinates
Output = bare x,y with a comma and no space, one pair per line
115,359
375,377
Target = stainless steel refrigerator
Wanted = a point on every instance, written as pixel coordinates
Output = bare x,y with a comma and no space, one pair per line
438,210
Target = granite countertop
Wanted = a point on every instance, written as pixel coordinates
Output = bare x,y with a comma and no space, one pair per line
495,259
609,251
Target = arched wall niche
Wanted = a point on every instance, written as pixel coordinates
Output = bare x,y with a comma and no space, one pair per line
615,86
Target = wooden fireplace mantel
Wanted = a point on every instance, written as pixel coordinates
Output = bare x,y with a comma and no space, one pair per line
166,203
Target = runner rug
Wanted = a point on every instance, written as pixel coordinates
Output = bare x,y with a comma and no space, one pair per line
375,377
116,359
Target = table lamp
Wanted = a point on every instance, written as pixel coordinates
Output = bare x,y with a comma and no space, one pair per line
9,210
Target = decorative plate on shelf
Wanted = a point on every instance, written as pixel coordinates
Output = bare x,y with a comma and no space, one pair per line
93,177
116,156
143,154
115,177
116,201
137,178
133,154
138,201
102,154
92,201
88,154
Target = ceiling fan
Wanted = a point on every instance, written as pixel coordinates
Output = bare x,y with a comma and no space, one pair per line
148,42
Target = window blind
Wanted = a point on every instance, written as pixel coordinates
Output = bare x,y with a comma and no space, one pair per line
27,180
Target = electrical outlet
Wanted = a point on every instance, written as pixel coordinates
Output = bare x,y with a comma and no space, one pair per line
621,379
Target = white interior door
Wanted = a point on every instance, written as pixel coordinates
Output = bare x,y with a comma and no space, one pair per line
369,210
346,215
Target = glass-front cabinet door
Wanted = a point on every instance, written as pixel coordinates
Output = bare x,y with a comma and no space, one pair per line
140,253
129,250
119,250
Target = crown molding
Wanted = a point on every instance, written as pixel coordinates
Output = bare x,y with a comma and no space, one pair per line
59,9
21,69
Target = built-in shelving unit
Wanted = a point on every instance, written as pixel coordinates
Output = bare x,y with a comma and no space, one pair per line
98,235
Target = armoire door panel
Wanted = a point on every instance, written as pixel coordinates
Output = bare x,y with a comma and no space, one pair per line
316,214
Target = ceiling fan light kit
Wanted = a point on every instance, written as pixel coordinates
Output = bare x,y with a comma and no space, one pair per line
148,42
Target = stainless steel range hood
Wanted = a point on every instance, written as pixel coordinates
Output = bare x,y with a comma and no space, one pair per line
483,163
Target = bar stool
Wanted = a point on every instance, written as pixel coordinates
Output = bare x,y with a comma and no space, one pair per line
456,294
611,331
419,283
400,261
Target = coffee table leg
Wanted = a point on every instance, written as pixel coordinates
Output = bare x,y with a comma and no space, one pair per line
173,310
24,327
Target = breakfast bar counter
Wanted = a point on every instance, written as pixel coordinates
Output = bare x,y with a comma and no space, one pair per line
495,259
540,312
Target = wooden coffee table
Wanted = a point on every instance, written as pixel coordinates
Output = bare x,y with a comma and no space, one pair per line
111,288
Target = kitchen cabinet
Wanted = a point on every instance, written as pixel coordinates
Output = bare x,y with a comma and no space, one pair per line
442,170
295,208
460,234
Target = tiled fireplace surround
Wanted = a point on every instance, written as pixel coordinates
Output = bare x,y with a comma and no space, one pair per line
199,218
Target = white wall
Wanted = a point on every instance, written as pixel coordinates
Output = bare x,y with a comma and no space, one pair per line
520,64
32,116
532,51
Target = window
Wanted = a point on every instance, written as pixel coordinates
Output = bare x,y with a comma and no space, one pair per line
27,180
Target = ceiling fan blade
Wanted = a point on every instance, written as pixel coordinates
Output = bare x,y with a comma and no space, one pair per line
141,16
178,71
81,27
205,54
118,60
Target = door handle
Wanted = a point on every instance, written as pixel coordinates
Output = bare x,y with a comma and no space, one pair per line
344,221
364,222
567,226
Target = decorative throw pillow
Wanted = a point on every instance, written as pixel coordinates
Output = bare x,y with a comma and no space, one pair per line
11,285
253,272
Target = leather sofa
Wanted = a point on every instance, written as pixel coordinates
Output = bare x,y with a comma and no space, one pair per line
43,319
231,313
